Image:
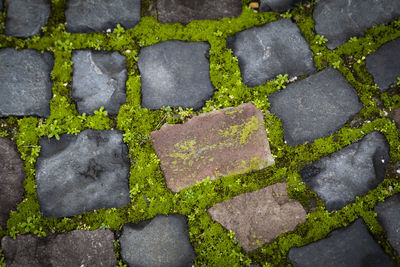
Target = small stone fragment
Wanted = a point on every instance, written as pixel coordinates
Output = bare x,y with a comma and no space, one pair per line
160,242
278,5
397,117
254,5
260,216
215,144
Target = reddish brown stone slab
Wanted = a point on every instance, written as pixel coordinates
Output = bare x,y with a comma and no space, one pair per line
396,117
259,217
214,144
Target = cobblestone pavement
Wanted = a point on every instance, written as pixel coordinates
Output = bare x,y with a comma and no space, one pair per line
205,133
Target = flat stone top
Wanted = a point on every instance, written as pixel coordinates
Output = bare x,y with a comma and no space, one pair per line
348,247
98,15
315,107
269,50
25,82
169,76
338,20
260,216
184,11
384,64
214,144
278,5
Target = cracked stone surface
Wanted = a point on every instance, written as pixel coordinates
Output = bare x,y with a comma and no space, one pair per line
184,11
162,241
352,171
315,107
215,144
260,52
260,216
25,83
169,77
12,178
278,5
75,248
82,173
349,246
25,18
339,20
98,80
98,15
383,64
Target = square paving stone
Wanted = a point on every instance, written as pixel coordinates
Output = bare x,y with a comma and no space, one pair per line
25,18
274,48
75,248
98,80
339,20
99,15
352,246
352,171
278,5
260,216
384,64
176,74
214,144
82,173
315,107
25,82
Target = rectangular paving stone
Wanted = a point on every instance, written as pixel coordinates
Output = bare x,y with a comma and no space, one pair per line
215,144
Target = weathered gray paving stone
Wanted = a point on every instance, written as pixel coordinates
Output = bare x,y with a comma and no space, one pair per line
162,241
383,64
274,48
82,173
25,18
98,15
341,19
11,179
75,248
315,107
353,171
215,144
169,76
98,80
184,11
278,5
25,83
259,217
348,247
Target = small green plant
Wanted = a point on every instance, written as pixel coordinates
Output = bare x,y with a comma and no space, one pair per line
320,39
281,80
31,225
398,81
287,15
119,30
336,64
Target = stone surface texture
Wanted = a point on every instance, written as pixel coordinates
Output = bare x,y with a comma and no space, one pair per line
315,107
184,11
169,77
348,247
25,83
75,248
214,144
98,15
260,216
98,80
274,48
383,64
160,242
352,171
82,173
338,20
12,178
25,18
278,5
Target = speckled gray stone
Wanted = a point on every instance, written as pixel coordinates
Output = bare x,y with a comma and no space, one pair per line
25,83
352,246
98,15
338,20
278,5
353,171
98,80
384,64
274,48
82,173
160,242
176,74
315,107
25,18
